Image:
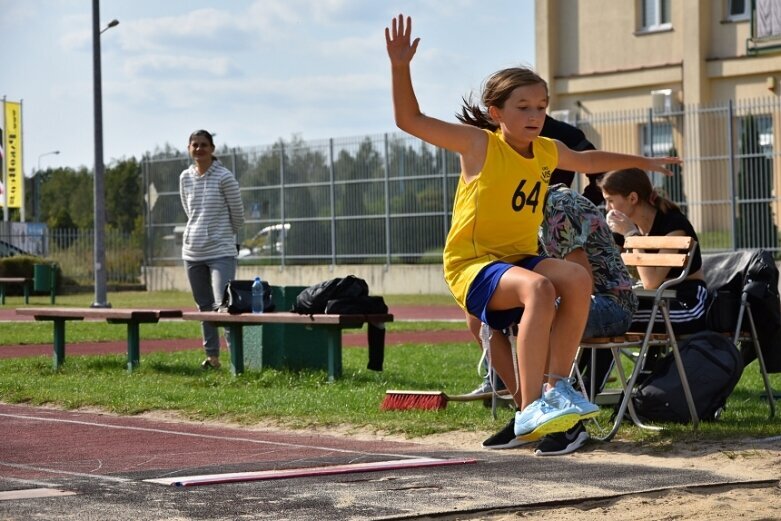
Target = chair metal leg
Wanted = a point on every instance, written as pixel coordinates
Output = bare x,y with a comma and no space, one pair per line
628,386
679,364
746,310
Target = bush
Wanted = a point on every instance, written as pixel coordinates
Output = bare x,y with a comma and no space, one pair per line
23,266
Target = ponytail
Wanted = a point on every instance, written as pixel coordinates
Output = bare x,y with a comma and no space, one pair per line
472,114
661,203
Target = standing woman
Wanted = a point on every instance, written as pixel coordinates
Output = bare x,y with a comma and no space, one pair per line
211,199
635,208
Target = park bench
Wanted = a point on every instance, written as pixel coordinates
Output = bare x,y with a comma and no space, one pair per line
330,325
132,317
44,279
15,281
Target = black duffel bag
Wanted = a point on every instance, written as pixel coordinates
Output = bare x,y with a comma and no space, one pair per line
237,297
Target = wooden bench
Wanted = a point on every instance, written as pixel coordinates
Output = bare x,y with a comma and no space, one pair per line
25,283
131,317
331,325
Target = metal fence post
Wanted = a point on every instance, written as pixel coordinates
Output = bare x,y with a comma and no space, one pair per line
445,224
282,197
332,196
387,204
147,223
731,172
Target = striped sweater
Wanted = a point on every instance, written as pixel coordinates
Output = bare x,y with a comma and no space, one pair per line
214,211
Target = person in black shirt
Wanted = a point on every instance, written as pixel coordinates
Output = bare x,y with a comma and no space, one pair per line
635,207
575,139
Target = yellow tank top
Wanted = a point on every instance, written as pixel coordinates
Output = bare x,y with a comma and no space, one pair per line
497,215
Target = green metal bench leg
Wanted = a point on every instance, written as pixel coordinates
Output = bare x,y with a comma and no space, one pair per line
2,294
59,343
133,349
237,348
26,287
334,346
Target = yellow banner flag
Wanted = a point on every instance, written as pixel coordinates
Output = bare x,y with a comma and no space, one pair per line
14,174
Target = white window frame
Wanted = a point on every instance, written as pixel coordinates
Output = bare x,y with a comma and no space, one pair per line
657,24
736,17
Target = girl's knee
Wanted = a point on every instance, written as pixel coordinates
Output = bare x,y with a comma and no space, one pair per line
542,288
577,281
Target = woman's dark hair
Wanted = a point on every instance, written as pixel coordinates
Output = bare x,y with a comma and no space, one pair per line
201,133
496,90
624,182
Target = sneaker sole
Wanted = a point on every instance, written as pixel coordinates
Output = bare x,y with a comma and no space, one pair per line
561,423
589,415
515,442
577,443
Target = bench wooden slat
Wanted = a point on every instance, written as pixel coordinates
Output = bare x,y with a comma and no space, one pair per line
285,317
658,242
673,260
139,315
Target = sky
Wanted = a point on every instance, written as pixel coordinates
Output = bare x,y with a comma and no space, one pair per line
251,72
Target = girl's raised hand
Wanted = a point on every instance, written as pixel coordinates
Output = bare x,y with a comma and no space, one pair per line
657,164
397,41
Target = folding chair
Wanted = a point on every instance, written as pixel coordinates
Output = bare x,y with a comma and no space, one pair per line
735,274
750,335
665,251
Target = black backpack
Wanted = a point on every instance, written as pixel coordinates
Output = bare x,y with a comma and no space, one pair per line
713,367
314,299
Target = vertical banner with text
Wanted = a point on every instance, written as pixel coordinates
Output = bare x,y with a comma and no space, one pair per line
14,174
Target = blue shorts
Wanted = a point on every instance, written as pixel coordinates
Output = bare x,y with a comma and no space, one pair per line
606,317
483,287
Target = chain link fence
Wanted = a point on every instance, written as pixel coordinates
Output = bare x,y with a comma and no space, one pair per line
386,199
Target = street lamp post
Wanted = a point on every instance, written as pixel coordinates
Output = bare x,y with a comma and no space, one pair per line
53,152
37,185
101,300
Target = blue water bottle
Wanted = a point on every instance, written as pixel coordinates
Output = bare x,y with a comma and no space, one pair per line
257,296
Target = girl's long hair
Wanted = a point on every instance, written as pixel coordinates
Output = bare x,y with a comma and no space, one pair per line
624,182
496,90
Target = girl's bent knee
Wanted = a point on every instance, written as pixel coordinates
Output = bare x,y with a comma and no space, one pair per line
543,288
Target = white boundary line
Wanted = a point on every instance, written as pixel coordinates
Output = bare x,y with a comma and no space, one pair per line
205,436
65,472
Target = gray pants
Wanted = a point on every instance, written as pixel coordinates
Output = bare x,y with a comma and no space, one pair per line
207,282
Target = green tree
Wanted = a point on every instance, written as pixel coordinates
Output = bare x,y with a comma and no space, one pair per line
66,198
124,199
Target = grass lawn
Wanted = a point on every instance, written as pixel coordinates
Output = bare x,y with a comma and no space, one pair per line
175,382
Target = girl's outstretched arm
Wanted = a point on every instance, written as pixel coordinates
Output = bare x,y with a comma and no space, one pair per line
468,141
594,161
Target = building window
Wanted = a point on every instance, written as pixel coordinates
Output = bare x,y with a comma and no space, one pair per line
738,10
656,14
